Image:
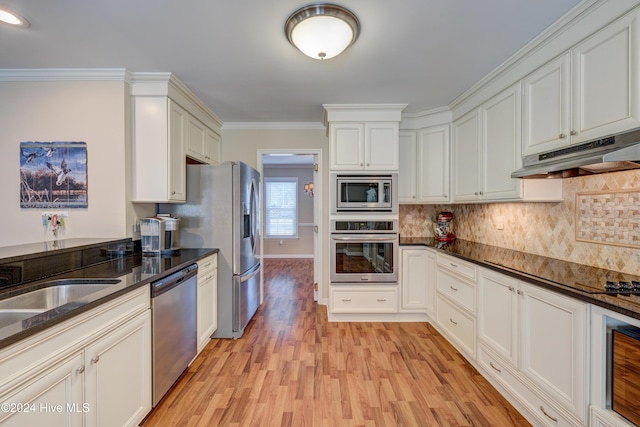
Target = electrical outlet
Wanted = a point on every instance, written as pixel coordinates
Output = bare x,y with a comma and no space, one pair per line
500,222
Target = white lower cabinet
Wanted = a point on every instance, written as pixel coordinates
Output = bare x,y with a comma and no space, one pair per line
117,375
356,299
207,299
534,341
92,370
413,279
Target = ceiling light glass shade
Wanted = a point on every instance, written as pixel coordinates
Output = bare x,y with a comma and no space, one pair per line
322,30
13,18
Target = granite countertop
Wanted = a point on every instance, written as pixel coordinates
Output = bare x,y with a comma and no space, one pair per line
569,278
133,271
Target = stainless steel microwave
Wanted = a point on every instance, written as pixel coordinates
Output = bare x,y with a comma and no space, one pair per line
365,193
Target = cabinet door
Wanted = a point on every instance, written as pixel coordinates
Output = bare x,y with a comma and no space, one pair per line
196,139
118,375
433,164
177,167
407,170
497,315
414,276
213,144
381,146
546,107
553,345
53,397
605,79
501,152
466,158
206,307
347,146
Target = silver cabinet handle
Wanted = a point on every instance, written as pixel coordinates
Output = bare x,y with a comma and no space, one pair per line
573,132
562,136
381,300
494,368
453,321
453,265
80,370
453,289
555,420
95,360
346,300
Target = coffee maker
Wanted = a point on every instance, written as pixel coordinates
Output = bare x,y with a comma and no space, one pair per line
160,235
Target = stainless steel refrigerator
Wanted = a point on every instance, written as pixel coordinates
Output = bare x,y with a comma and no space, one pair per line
222,212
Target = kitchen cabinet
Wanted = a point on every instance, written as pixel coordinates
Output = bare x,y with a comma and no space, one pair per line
97,366
202,143
207,300
413,279
160,132
534,342
487,150
361,299
424,165
117,375
565,100
169,123
455,302
364,146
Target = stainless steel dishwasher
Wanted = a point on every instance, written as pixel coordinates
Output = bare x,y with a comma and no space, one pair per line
173,311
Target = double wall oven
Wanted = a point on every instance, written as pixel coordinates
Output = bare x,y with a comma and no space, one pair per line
364,251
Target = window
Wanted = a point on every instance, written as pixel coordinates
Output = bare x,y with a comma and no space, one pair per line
281,207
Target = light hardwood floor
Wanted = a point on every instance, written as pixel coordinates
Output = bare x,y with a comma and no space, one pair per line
294,368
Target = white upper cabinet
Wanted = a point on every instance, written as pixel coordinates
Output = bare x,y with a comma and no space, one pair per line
364,146
364,137
407,172
432,171
587,93
466,156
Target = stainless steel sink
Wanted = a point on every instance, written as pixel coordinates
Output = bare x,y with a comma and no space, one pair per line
57,293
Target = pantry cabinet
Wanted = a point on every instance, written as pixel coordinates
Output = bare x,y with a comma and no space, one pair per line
534,342
364,146
566,101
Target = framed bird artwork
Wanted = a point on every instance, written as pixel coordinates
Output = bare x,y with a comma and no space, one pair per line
53,175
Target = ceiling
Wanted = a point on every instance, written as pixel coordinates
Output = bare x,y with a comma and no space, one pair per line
235,57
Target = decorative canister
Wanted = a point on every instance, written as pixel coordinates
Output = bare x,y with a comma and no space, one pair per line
443,229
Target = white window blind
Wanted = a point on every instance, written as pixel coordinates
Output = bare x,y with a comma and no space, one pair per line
281,207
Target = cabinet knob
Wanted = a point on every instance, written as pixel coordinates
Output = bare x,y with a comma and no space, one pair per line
95,360
476,193
573,132
444,195
80,370
361,164
519,292
481,193
562,136
173,192
413,197
511,288
368,164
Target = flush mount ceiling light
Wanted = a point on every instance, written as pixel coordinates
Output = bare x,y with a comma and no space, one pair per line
13,19
322,30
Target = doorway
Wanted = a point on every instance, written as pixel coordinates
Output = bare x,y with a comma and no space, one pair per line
291,224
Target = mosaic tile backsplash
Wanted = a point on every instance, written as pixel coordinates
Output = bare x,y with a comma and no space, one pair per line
547,229
609,217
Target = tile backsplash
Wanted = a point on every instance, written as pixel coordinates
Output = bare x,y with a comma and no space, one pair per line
547,229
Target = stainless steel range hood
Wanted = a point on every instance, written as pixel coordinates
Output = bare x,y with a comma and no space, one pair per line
610,154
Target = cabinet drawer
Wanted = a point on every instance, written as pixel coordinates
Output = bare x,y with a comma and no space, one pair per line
463,268
364,300
461,326
456,289
207,265
543,411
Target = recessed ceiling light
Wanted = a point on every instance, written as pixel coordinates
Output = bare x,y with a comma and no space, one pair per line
13,19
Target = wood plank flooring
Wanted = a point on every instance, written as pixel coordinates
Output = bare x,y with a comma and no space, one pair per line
294,368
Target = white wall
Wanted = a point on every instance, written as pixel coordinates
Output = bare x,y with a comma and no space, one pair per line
96,112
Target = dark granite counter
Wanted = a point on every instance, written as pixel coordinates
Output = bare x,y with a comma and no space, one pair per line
569,278
133,271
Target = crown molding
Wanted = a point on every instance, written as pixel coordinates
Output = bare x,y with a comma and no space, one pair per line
433,117
273,126
362,113
64,74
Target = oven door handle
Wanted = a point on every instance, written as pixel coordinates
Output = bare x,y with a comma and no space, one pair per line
364,239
